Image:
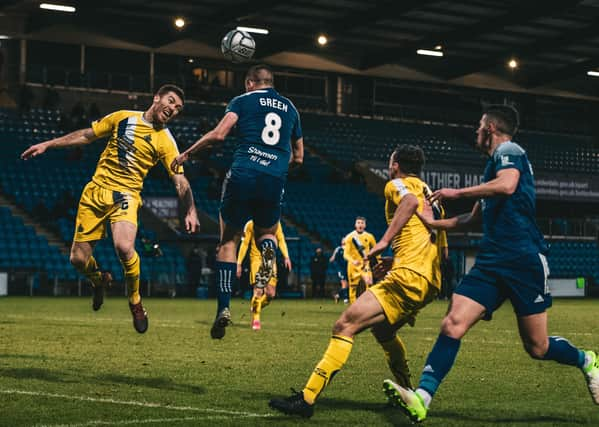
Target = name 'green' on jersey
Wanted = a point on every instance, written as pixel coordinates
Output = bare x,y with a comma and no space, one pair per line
267,124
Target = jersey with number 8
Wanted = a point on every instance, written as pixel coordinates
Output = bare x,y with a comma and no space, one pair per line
267,124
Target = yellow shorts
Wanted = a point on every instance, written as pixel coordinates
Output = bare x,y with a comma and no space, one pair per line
255,265
99,205
402,294
355,274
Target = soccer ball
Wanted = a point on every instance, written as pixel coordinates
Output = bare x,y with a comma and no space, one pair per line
238,46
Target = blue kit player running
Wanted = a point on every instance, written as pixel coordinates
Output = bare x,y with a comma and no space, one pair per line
510,265
340,264
269,140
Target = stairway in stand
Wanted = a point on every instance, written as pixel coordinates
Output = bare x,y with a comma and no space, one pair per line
52,236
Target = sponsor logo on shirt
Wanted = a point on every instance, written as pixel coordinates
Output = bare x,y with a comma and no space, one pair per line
505,161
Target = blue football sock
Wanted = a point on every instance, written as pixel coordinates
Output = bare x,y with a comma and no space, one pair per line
225,274
439,362
563,352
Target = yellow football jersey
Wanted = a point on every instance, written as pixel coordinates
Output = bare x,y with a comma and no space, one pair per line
441,235
413,247
355,242
249,241
133,148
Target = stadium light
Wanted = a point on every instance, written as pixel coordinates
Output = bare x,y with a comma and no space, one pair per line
322,40
4,37
513,64
179,22
253,30
427,52
593,73
57,7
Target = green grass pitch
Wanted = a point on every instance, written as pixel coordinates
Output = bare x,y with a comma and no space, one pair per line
62,364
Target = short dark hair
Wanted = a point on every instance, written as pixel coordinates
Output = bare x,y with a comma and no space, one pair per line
505,117
361,217
261,73
171,88
411,158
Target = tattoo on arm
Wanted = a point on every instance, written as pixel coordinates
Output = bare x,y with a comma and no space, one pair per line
184,193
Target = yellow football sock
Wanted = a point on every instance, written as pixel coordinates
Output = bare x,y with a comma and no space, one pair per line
131,269
265,300
332,361
353,291
92,272
256,304
396,355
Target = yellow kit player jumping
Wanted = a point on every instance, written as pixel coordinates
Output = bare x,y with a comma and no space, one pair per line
137,141
412,282
356,245
261,296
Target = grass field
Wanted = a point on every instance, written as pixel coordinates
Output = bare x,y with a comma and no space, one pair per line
62,364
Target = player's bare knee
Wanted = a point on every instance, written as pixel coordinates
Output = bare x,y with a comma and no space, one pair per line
341,326
270,292
78,259
124,251
453,326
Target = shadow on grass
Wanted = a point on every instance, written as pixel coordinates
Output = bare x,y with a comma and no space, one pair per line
514,418
36,374
395,417
151,382
24,356
330,405
160,383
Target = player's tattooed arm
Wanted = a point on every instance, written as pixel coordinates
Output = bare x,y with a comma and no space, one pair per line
192,223
78,137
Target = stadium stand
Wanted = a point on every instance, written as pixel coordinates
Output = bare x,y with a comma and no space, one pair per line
320,200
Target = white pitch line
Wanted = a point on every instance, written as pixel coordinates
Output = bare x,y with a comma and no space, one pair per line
134,403
135,421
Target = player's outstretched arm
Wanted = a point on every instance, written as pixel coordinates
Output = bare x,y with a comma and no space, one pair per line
216,135
192,223
78,137
405,209
459,221
504,184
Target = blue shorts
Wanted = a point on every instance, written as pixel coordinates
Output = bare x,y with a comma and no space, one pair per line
248,194
524,283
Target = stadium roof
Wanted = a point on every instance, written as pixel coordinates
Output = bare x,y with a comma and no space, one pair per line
555,42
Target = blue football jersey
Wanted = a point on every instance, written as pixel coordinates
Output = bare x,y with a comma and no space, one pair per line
267,123
509,225
339,260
